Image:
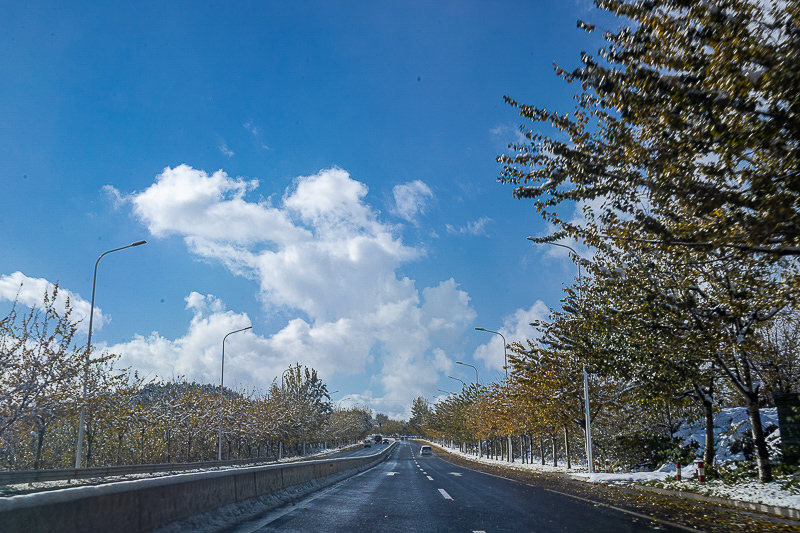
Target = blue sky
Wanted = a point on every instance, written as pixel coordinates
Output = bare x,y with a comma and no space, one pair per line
324,171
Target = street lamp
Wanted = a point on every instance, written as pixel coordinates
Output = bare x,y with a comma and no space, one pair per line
478,393
221,381
79,450
505,355
589,458
462,382
473,368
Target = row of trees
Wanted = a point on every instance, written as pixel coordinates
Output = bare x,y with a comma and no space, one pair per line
130,421
681,158
537,414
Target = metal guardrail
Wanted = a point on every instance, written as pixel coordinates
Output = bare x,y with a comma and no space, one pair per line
11,477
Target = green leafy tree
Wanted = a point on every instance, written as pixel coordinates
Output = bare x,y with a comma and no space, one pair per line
686,126
420,416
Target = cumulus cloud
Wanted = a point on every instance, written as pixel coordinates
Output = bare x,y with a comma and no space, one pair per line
516,328
410,199
321,250
198,354
30,293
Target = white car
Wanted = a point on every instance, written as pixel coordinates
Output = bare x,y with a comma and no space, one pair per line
367,443
425,450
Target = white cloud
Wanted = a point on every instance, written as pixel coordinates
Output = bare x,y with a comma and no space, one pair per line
198,354
117,200
252,128
505,134
224,150
200,207
516,328
410,199
30,293
322,251
477,227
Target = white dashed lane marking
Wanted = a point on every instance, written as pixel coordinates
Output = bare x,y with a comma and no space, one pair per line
444,494
430,478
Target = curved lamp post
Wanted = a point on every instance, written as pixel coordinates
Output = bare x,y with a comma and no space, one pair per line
478,392
505,354
589,458
462,382
79,449
221,381
473,368
505,367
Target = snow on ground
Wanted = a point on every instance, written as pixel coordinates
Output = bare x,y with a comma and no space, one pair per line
730,426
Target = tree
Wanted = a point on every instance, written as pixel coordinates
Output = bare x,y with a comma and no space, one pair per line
778,366
40,365
685,138
420,416
687,126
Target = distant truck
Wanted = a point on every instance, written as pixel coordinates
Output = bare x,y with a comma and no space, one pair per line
378,439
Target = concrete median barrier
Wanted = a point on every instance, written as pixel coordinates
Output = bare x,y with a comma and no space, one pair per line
143,505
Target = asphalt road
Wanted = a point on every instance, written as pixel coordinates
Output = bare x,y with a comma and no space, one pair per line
412,493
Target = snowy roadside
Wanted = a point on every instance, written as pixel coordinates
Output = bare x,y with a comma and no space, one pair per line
38,486
731,427
779,493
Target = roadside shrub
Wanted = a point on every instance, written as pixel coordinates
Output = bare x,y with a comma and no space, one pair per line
647,451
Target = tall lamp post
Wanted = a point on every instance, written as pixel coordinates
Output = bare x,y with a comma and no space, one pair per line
462,382
473,368
221,381
589,458
478,392
505,354
79,449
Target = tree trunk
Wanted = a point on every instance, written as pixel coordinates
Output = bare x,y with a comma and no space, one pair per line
541,448
510,450
709,452
759,441
555,451
566,446
89,442
119,448
39,442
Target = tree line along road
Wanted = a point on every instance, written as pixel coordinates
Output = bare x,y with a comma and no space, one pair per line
409,492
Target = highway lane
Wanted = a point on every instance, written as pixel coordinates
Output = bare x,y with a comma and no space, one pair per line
426,494
359,451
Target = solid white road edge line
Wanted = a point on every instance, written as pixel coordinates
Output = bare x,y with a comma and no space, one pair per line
658,520
638,515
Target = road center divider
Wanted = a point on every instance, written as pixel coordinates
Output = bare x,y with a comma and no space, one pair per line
142,505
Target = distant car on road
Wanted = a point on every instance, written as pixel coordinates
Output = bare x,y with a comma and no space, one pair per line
367,443
378,439
425,450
